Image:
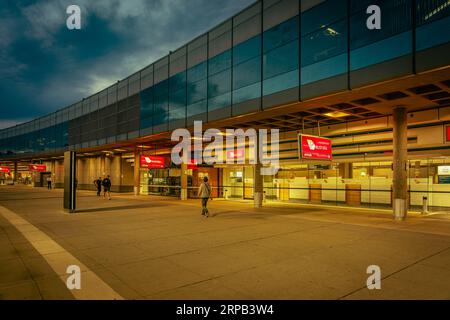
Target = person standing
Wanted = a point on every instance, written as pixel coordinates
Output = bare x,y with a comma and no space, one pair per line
98,185
106,187
204,193
49,182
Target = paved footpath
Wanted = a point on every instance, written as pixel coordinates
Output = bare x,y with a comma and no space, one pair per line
156,248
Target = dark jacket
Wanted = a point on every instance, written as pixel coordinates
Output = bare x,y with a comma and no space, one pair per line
106,183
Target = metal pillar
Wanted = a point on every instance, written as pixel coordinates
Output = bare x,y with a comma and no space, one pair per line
70,183
400,187
258,187
137,172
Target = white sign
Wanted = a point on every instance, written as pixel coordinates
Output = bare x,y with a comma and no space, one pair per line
443,170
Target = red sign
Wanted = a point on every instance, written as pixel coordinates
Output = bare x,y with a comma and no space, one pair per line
192,164
153,162
37,167
316,148
236,154
5,169
448,134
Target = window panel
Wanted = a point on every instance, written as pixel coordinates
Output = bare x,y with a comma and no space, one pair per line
247,73
275,12
196,108
161,103
146,97
281,60
177,81
220,62
433,23
324,41
219,102
220,44
393,40
247,93
177,108
219,84
282,34
197,72
247,50
197,91
281,82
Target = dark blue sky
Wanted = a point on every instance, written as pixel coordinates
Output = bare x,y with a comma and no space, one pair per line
44,66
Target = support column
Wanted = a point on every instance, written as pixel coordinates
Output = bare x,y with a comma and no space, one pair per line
15,172
102,166
258,186
184,181
400,191
137,172
107,166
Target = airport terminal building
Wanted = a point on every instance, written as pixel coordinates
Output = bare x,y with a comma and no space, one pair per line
312,67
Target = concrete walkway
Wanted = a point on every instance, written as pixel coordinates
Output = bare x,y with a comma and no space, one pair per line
156,248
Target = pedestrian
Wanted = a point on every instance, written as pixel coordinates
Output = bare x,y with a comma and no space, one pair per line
106,187
204,192
98,185
49,182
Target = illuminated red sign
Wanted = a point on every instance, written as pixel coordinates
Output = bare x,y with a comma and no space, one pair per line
235,154
5,169
192,164
37,167
448,134
316,148
153,162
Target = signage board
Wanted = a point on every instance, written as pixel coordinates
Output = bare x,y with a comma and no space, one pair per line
37,167
5,169
314,148
443,170
153,162
193,164
236,154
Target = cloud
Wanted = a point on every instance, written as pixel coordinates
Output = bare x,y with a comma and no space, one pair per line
117,39
44,19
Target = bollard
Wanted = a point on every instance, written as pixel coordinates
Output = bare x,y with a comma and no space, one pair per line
425,205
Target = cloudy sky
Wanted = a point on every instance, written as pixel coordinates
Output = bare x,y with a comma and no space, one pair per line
44,66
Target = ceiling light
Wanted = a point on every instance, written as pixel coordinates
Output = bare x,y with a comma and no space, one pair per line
337,114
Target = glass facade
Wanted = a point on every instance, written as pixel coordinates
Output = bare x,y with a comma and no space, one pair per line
269,48
324,41
219,81
280,60
393,40
367,184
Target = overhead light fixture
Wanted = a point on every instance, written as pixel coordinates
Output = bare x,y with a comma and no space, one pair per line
332,32
336,114
120,150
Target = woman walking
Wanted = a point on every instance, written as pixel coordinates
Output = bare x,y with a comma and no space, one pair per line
204,192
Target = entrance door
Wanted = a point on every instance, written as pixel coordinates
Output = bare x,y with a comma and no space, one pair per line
43,179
